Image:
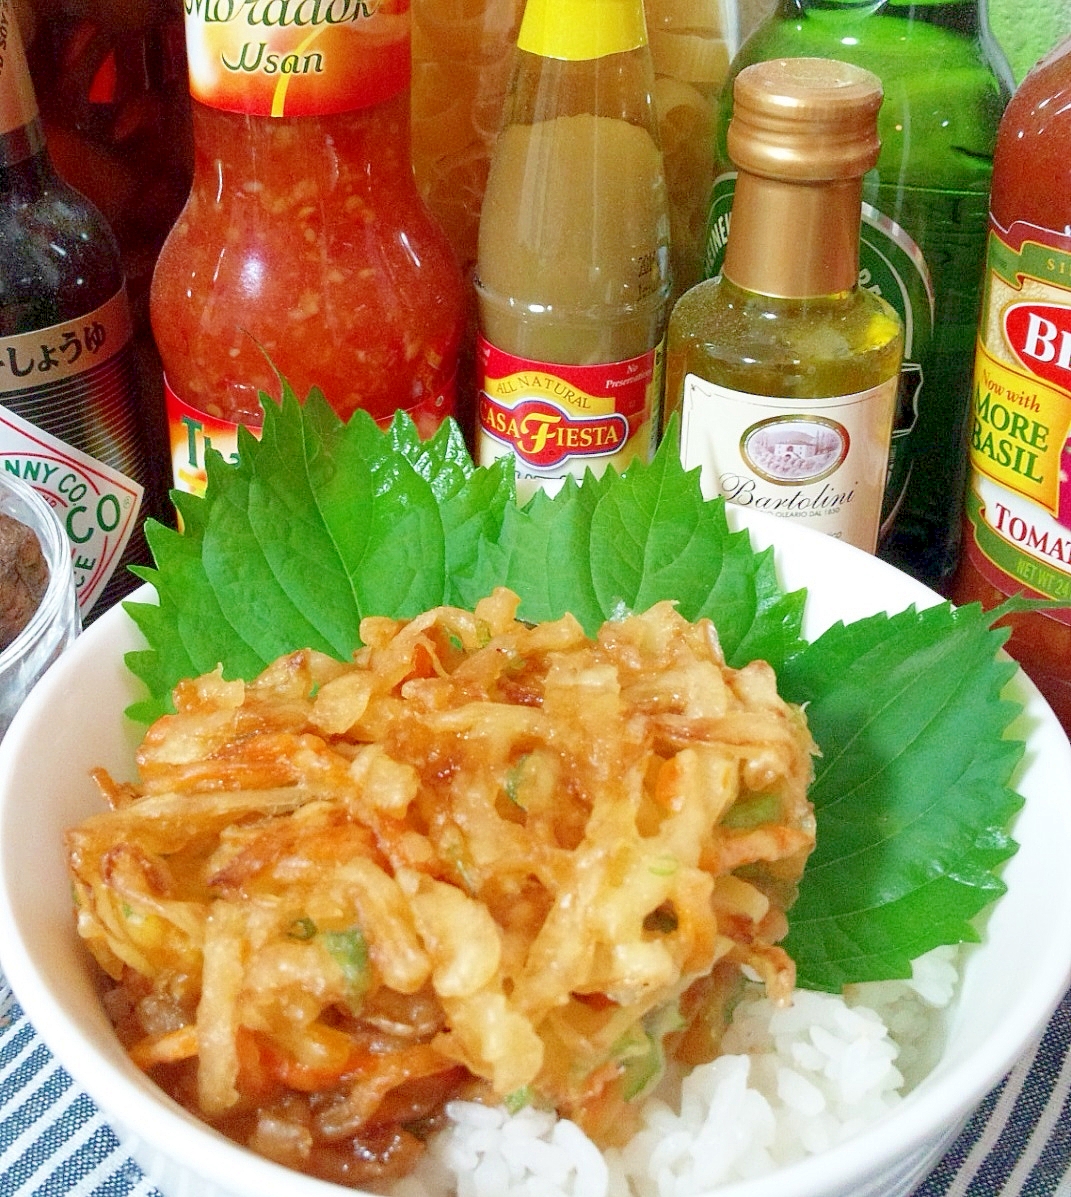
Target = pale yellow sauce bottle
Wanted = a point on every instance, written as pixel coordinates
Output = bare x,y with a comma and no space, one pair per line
783,369
573,276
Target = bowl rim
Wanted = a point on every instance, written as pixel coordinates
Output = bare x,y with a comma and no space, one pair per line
939,1100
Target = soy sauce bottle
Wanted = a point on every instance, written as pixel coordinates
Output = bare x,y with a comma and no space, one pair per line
71,420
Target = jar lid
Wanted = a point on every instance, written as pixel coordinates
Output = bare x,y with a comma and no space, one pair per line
805,119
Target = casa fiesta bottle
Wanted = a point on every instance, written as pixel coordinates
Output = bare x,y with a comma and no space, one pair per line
572,274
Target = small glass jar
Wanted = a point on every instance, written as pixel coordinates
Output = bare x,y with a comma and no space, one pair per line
55,623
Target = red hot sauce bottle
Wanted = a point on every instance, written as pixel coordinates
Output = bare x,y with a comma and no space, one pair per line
304,239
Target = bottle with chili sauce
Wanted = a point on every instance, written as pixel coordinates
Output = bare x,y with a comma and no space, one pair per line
1017,534
304,247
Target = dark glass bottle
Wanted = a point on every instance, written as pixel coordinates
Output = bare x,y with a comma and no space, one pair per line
924,225
111,83
70,418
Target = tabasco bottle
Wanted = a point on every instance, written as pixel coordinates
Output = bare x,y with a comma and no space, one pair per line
304,247
1018,510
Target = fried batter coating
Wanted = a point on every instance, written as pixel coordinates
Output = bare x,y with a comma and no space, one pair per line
484,859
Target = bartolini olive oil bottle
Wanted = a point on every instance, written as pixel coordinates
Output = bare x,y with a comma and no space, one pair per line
782,368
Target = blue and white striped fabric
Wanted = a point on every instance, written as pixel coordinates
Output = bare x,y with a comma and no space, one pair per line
54,1142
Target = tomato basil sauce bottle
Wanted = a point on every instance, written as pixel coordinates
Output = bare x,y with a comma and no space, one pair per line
1017,535
304,247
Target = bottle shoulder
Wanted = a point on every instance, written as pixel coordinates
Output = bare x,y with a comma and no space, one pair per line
58,257
1032,165
707,306
784,346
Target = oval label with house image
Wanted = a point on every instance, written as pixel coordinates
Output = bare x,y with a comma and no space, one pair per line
788,450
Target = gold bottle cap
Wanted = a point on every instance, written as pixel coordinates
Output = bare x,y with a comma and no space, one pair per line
806,119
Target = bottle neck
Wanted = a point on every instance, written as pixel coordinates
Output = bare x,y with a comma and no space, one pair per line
23,143
238,154
794,240
21,133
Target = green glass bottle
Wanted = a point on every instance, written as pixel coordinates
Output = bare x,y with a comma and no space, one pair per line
925,213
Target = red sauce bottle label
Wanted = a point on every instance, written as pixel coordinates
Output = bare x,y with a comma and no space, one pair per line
296,57
193,432
1019,501
563,419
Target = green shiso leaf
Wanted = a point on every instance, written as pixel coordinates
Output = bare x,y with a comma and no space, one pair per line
323,522
912,791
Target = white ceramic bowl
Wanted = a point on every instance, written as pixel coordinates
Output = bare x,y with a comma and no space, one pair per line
73,721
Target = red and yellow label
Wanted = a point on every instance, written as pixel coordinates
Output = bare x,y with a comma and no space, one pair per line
1017,430
296,57
562,419
193,432
1019,501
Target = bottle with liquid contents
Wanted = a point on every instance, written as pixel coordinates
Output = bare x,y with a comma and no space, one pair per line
111,82
462,53
573,276
691,44
924,222
304,247
783,369
1017,532
71,418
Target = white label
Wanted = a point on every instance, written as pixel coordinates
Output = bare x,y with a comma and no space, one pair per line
17,104
820,461
97,505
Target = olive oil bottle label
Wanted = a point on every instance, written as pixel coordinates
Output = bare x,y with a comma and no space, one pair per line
821,462
560,419
1019,500
67,404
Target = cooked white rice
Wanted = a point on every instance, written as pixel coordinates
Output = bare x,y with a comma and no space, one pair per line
790,1083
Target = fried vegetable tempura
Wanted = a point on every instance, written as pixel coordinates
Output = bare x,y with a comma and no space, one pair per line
485,859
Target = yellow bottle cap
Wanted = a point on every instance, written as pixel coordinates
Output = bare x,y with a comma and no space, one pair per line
575,30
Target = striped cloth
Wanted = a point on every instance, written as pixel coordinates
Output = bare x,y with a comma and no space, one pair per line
53,1140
